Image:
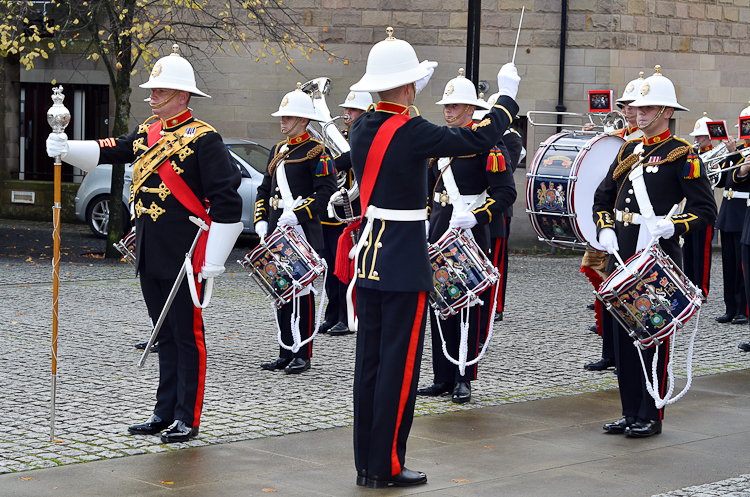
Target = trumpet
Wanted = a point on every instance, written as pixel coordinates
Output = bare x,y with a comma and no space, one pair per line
608,122
713,163
329,134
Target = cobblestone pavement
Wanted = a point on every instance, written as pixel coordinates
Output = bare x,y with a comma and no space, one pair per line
537,352
732,487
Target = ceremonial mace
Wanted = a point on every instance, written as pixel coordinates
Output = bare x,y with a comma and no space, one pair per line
58,118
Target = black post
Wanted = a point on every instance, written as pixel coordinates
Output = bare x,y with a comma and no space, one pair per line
561,80
473,31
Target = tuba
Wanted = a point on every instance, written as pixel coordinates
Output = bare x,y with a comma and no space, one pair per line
326,132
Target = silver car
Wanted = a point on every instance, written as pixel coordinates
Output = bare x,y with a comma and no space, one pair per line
92,198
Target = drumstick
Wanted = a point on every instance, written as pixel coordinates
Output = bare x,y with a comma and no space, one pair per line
518,35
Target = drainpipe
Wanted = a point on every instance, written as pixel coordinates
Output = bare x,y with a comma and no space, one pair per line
561,78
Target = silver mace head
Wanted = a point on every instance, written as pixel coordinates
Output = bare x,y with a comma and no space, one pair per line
58,116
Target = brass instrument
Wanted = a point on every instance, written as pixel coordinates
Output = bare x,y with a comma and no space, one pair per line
326,132
608,122
713,161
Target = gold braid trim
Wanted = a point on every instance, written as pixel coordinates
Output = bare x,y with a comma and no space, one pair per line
630,161
311,154
624,166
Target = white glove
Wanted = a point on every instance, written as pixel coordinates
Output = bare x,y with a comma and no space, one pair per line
261,229
210,271
427,227
664,229
430,66
221,240
288,218
57,144
508,79
608,240
465,220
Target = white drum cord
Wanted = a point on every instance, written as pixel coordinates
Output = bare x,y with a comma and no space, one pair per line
653,386
297,342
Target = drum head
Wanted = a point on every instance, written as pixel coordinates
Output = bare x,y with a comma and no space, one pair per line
592,169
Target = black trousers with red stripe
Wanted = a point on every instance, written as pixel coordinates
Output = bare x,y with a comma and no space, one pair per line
696,254
182,352
735,301
636,401
444,370
335,290
389,352
306,311
498,254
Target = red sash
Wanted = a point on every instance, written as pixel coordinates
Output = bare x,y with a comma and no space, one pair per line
344,267
184,195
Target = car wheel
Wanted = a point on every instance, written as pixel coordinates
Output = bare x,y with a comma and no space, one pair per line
97,215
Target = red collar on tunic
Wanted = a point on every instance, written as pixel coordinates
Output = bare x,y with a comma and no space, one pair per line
298,139
706,148
177,120
664,135
392,108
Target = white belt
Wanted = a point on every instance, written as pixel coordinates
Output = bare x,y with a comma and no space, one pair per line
632,217
396,214
443,198
733,194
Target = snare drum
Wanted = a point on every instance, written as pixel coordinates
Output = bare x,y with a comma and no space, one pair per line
564,175
460,272
652,298
126,247
282,259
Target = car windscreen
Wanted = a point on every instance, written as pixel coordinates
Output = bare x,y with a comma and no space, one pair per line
255,155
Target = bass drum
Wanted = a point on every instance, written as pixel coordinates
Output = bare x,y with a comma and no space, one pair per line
560,185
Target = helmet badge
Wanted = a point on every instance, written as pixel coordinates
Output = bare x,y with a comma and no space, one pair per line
645,89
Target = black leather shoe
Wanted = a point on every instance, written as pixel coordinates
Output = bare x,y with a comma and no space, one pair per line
739,319
406,478
642,429
461,392
152,426
278,363
600,365
340,329
298,365
498,316
178,432
594,329
435,389
142,345
618,427
362,477
325,326
724,318
744,346
591,307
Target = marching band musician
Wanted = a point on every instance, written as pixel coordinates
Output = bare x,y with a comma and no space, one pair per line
485,184
335,323
729,223
594,262
696,250
739,183
390,153
297,184
178,161
649,174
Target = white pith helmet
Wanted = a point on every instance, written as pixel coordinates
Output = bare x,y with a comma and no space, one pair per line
357,100
480,113
297,104
174,73
391,63
658,90
631,91
700,128
744,113
461,90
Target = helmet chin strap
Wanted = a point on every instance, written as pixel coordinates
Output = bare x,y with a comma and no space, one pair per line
451,120
159,106
661,111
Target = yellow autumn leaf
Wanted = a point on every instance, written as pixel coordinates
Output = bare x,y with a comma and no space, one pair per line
269,490
14,322
167,482
460,480
51,46
26,478
29,259
54,82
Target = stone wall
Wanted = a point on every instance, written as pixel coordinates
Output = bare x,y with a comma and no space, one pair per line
701,45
